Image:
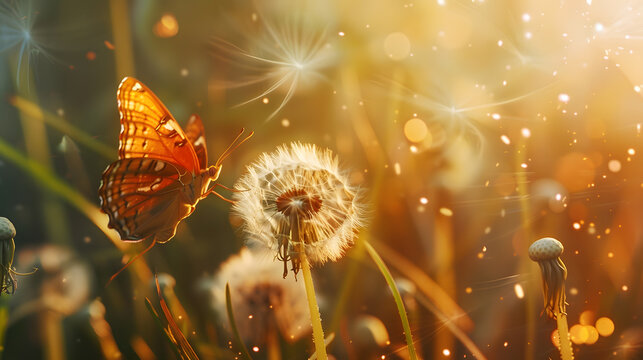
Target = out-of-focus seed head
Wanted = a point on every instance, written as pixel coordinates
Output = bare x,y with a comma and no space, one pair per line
545,249
261,300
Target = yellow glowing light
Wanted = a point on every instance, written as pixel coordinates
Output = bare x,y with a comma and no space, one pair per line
592,335
520,293
554,338
631,151
525,132
424,200
416,130
614,166
446,211
397,46
578,334
265,100
505,139
576,226
468,290
605,326
446,352
564,98
624,288
285,122
166,27
255,348
398,169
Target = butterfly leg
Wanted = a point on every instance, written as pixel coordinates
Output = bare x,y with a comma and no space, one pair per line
211,191
227,188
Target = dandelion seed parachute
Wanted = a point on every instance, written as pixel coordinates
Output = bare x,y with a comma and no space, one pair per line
296,199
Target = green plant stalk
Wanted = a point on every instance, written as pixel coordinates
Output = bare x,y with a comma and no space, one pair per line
315,318
563,338
396,295
158,322
33,112
233,323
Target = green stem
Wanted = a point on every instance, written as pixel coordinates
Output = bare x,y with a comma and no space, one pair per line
233,323
315,319
396,295
563,338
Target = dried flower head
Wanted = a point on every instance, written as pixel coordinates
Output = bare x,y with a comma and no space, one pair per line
546,252
295,200
261,300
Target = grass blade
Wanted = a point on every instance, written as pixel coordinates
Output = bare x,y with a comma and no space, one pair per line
233,324
396,295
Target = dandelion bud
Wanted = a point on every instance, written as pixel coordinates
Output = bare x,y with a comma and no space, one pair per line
296,201
546,252
7,249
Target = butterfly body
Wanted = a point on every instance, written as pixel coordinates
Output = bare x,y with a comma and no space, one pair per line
162,171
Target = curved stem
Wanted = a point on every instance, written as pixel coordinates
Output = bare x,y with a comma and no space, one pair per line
315,319
396,295
563,338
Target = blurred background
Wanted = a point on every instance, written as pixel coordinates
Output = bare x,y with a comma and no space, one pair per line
476,127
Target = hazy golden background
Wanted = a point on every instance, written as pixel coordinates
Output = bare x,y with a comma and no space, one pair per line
476,127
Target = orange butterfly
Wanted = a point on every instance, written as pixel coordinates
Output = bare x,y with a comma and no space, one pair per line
162,172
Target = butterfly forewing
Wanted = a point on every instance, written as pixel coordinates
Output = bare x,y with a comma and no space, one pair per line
149,130
195,133
142,198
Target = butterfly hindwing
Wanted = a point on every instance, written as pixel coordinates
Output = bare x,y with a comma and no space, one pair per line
142,198
149,130
196,135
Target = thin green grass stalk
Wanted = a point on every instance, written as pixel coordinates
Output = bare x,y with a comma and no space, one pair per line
51,182
563,338
315,318
233,324
396,295
157,320
34,112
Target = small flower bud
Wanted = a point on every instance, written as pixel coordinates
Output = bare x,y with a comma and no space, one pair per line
7,231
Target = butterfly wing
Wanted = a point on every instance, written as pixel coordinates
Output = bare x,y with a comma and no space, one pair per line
196,134
149,130
142,198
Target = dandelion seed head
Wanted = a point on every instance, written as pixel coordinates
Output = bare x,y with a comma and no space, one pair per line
299,190
260,297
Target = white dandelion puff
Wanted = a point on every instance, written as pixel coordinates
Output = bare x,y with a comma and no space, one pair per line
297,200
260,298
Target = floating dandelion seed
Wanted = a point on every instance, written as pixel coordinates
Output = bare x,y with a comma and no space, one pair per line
260,297
296,201
17,20
290,57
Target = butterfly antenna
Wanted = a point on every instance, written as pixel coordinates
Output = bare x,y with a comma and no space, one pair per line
131,262
233,146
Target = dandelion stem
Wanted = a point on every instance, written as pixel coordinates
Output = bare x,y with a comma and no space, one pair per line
563,338
315,319
396,295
